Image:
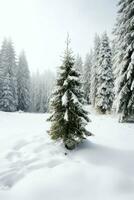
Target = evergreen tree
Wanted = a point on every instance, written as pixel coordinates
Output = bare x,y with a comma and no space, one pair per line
104,97
23,80
87,77
78,65
8,81
124,59
41,90
35,97
68,118
48,82
115,72
94,70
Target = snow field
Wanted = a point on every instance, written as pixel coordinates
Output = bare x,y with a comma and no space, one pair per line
32,167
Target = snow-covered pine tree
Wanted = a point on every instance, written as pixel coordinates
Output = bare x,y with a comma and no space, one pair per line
48,82
69,118
35,98
94,70
78,65
124,60
114,50
87,77
23,81
41,90
8,81
104,97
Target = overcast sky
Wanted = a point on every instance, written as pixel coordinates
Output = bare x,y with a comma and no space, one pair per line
40,27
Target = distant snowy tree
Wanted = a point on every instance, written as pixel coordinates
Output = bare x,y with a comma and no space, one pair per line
8,81
35,98
124,59
23,82
94,70
48,82
69,118
41,90
78,65
104,96
87,76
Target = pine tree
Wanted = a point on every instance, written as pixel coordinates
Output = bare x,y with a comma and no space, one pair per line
87,77
104,97
23,81
48,82
94,70
124,59
78,65
8,82
41,91
34,94
68,118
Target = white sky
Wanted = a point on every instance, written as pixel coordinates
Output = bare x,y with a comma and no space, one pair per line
40,27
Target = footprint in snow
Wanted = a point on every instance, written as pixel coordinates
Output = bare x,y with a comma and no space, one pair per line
22,162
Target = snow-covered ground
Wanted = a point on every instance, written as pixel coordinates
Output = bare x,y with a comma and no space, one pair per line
32,167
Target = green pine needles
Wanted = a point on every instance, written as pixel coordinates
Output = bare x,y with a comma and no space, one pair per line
69,118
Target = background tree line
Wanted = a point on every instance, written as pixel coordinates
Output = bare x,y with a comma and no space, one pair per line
19,90
107,73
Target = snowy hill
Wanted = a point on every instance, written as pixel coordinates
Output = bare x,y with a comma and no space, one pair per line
32,167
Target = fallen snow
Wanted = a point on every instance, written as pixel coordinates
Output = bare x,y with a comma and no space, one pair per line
32,167
64,99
